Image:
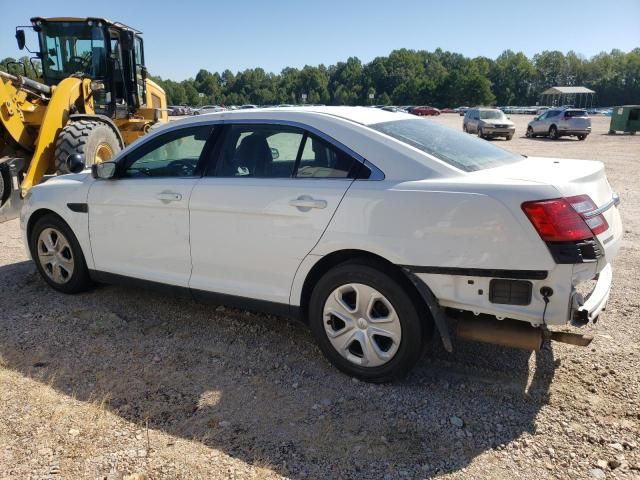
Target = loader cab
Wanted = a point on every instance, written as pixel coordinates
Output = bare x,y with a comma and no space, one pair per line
109,53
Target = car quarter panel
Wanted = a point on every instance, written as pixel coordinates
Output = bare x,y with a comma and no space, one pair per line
443,224
463,225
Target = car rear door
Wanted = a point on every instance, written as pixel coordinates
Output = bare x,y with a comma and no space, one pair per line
139,222
261,210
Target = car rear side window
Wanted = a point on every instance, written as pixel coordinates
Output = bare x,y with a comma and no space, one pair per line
321,160
575,113
455,148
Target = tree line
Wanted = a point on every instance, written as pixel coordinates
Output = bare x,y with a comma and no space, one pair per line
418,77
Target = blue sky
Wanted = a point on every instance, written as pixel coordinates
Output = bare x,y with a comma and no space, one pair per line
183,36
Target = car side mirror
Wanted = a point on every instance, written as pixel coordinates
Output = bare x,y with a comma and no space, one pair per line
103,170
20,39
75,163
275,153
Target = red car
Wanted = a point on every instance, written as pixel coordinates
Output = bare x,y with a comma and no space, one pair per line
425,111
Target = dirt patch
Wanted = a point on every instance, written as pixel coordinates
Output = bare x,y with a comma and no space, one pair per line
120,381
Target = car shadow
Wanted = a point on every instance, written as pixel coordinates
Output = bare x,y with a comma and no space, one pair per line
547,139
256,387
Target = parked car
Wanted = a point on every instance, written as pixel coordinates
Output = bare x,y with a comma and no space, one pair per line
448,110
462,110
391,108
370,227
541,110
488,123
177,110
425,111
209,109
560,122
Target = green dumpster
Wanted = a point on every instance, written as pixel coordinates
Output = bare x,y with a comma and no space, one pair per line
625,118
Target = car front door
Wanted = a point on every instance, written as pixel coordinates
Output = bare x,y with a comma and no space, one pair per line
139,220
263,208
474,120
538,123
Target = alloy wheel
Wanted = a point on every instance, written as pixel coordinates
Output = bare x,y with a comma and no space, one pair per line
55,255
362,325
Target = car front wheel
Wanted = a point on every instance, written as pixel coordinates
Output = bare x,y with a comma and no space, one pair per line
58,255
553,133
366,323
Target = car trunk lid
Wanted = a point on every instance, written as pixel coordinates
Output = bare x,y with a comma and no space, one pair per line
572,178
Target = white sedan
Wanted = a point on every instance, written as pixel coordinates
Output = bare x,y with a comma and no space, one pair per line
373,227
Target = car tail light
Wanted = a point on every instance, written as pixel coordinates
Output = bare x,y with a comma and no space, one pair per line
585,207
565,219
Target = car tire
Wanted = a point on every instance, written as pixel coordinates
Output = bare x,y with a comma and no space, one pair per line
480,135
464,129
58,256
581,137
509,137
553,133
336,304
5,183
530,133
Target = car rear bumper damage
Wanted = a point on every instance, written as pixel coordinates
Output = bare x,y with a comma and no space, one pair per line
517,311
587,309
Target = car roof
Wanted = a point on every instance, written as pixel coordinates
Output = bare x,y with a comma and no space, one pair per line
360,115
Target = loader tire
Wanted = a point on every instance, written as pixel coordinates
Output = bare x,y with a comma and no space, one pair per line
93,139
5,183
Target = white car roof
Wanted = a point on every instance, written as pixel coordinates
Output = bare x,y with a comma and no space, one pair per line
361,115
346,125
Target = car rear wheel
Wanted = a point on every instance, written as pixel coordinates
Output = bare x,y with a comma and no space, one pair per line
366,323
509,137
553,132
530,133
581,137
58,255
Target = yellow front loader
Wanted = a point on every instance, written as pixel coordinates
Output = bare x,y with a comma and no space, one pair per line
93,100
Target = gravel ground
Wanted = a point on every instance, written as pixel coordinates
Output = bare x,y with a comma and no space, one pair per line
124,383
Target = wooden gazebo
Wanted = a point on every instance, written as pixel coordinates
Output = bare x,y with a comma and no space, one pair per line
574,96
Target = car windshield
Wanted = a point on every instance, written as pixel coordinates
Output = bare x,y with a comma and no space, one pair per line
491,114
458,149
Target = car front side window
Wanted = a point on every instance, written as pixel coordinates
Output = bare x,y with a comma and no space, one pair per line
174,154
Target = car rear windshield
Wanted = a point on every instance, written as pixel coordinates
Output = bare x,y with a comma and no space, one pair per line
458,149
575,113
491,114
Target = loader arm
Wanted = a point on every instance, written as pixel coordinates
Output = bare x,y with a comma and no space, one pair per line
64,98
12,102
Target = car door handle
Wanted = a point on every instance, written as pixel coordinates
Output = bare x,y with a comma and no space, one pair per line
166,197
305,203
